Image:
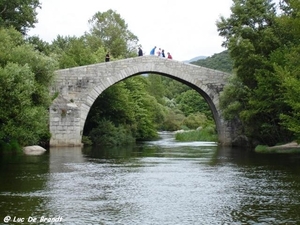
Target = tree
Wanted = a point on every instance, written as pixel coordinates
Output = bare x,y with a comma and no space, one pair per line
39,44
114,34
251,35
156,87
25,78
127,107
19,14
192,102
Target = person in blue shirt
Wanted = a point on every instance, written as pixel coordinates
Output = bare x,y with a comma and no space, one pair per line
153,51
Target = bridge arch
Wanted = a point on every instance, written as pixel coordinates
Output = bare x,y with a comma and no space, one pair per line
79,87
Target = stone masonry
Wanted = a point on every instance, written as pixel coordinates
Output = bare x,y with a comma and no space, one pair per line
77,88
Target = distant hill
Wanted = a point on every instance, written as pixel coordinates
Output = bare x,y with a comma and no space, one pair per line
195,59
220,61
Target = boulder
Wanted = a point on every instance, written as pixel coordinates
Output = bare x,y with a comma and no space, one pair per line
241,141
34,150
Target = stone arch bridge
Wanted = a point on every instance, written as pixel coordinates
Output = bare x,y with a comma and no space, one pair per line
77,89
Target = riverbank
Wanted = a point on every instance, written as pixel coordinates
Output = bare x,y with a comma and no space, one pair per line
292,147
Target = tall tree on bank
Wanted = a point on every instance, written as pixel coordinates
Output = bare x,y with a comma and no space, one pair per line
113,33
19,14
251,36
25,77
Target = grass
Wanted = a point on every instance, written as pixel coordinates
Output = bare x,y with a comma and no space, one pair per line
267,150
206,134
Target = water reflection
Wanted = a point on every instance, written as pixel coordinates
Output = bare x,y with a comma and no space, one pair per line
21,177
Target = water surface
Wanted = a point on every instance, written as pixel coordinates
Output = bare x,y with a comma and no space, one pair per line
161,182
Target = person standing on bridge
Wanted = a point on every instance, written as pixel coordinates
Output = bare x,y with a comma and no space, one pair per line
163,53
159,52
107,58
169,56
140,52
153,51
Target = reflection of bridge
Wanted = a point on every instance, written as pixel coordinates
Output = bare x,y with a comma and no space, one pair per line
79,87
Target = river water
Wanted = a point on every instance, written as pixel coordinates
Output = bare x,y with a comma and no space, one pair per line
160,182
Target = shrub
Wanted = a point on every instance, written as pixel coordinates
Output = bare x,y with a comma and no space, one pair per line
107,134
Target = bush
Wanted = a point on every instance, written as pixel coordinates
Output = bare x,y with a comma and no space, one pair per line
173,120
107,134
86,141
195,120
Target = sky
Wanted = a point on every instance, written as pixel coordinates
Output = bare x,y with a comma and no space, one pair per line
185,28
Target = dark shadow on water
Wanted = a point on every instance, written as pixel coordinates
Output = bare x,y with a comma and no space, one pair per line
246,157
121,152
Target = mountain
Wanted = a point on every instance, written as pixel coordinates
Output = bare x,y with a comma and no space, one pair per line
220,61
195,59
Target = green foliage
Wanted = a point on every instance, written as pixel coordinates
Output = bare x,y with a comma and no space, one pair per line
290,77
107,134
20,119
18,14
114,34
233,97
74,51
173,88
260,44
146,108
249,36
195,120
156,87
39,44
220,61
86,141
108,32
191,101
184,107
25,76
173,120
127,104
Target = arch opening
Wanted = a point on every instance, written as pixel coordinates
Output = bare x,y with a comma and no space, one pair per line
106,113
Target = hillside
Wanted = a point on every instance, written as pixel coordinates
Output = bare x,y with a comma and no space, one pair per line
195,59
220,61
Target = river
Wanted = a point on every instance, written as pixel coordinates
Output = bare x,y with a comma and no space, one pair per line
159,182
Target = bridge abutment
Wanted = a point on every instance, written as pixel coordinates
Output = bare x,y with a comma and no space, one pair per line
65,124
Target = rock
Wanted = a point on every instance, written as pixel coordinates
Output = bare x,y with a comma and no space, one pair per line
34,150
292,144
179,131
240,141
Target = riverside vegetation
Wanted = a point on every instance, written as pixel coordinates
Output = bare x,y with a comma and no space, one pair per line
262,42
